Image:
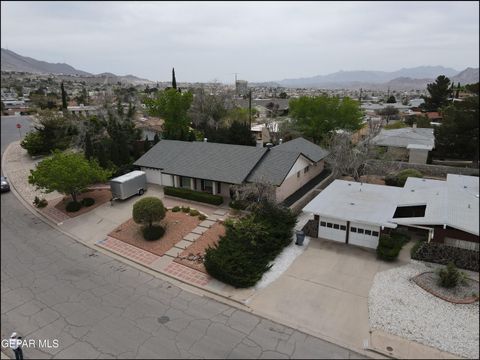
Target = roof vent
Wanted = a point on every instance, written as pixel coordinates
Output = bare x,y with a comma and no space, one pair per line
352,203
469,206
280,141
205,139
413,190
351,185
269,145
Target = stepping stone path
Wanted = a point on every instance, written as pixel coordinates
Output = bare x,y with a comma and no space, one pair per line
183,244
191,237
207,223
199,230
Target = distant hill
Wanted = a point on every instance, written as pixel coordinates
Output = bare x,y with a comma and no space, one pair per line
416,76
467,76
12,61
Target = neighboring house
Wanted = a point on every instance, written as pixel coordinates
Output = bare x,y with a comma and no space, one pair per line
410,142
356,213
213,167
83,110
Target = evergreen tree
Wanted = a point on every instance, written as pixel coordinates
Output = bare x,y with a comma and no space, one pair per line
439,92
64,97
146,144
88,147
174,81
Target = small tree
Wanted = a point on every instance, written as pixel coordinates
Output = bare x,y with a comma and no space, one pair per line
67,173
64,97
146,212
391,100
449,276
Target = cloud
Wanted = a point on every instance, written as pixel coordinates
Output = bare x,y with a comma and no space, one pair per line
260,40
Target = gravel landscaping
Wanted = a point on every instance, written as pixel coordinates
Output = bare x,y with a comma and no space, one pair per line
400,307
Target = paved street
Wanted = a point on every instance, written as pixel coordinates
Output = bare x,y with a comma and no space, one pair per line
53,287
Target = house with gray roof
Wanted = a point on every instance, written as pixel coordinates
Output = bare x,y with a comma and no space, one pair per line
410,142
214,167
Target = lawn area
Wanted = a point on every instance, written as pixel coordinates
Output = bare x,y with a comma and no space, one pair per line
177,225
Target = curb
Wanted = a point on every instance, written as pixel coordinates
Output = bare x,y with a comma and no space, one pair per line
177,282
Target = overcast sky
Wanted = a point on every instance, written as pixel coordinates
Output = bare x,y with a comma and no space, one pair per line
261,41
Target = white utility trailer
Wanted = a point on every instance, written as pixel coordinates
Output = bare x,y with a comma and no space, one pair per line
132,183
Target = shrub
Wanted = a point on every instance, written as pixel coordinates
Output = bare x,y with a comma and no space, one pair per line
401,177
193,195
238,204
449,276
176,209
185,209
33,142
88,201
40,203
202,217
416,247
388,248
242,256
443,254
153,232
73,206
194,212
147,211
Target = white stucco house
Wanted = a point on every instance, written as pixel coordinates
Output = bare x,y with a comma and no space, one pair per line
356,213
214,167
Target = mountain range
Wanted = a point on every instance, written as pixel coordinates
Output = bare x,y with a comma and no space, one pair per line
403,79
12,61
406,78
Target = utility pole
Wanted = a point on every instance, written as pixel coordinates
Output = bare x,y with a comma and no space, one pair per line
250,107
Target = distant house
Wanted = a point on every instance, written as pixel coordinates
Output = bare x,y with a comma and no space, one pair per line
213,167
357,214
410,143
83,110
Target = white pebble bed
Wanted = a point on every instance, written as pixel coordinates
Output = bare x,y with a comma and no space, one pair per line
398,306
282,263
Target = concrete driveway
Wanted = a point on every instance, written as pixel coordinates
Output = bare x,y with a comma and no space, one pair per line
325,292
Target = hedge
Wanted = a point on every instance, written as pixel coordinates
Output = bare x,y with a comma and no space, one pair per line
389,246
443,254
400,178
193,195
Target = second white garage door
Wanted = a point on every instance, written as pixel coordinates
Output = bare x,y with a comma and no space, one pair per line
332,229
363,235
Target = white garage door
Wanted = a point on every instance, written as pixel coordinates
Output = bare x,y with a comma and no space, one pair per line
364,235
153,176
332,229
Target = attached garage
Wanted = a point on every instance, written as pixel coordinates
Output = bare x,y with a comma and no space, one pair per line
332,229
154,176
364,235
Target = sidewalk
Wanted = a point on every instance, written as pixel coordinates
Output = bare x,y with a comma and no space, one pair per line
92,230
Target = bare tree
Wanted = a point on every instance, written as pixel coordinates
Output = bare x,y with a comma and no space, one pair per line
254,193
346,158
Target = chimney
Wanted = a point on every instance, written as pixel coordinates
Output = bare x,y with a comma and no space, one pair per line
259,144
205,139
269,145
280,141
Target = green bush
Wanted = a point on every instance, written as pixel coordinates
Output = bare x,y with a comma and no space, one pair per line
73,206
449,276
193,195
153,232
40,203
242,256
88,201
399,179
147,211
202,217
185,209
388,247
416,247
33,142
176,209
238,204
194,212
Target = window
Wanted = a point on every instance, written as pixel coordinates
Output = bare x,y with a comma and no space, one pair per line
374,233
329,225
185,182
410,211
343,227
306,169
298,174
368,232
336,226
207,185
353,229
323,223
360,231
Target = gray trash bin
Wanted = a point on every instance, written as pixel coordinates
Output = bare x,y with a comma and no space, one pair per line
300,237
